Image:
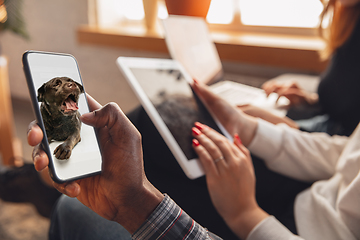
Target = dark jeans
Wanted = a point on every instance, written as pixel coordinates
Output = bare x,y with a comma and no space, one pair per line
312,119
71,220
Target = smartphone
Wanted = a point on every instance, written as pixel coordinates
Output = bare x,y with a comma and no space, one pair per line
59,98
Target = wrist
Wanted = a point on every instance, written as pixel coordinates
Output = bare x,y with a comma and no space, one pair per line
247,128
245,222
139,207
312,98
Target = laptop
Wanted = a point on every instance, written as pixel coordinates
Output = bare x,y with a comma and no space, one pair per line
189,42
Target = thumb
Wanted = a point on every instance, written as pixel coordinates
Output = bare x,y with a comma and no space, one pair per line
110,121
107,116
93,104
113,129
204,92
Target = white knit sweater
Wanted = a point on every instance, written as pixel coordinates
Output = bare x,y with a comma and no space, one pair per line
330,209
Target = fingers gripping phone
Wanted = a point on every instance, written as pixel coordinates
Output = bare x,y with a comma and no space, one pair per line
58,98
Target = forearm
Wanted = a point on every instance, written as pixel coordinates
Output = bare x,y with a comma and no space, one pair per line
268,116
276,120
246,128
271,229
312,98
297,154
140,207
245,222
258,225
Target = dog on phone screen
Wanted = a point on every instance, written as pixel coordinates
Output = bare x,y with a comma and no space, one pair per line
59,108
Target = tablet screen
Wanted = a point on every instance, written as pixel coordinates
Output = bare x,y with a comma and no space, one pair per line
175,102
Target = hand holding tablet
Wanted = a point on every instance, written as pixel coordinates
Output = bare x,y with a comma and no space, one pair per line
163,88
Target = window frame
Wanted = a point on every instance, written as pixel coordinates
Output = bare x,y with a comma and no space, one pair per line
235,26
284,47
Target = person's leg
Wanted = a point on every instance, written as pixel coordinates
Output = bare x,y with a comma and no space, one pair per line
318,123
24,184
310,118
71,220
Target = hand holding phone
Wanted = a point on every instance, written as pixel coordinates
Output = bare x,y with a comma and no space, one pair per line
122,191
58,98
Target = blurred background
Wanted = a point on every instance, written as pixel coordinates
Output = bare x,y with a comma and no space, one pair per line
257,40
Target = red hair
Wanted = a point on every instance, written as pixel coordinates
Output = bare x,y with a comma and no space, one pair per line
342,23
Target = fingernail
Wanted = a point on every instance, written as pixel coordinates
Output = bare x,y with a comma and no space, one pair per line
36,158
195,142
70,189
28,131
196,131
237,138
200,126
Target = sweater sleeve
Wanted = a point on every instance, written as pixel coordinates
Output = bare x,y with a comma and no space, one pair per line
300,155
271,229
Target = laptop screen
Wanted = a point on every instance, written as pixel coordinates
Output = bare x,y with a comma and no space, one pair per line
189,42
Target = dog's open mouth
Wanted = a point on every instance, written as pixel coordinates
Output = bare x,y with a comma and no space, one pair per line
69,105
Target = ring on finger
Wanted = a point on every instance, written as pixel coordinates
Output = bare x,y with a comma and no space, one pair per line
218,159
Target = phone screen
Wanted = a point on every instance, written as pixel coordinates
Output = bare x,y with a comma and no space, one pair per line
176,103
59,99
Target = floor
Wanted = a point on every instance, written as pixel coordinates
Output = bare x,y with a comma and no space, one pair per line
21,220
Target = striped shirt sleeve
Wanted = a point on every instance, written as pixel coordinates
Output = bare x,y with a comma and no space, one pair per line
169,221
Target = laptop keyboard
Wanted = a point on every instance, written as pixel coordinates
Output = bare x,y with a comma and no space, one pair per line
241,94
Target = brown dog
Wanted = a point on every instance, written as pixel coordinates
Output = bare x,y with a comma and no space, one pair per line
59,98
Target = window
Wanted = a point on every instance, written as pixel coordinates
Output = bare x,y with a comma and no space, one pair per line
301,16
283,13
122,12
278,13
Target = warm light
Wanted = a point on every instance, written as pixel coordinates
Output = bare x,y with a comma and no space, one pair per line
134,9
163,13
283,13
220,11
3,13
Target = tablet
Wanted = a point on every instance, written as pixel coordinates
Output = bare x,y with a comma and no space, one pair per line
163,88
